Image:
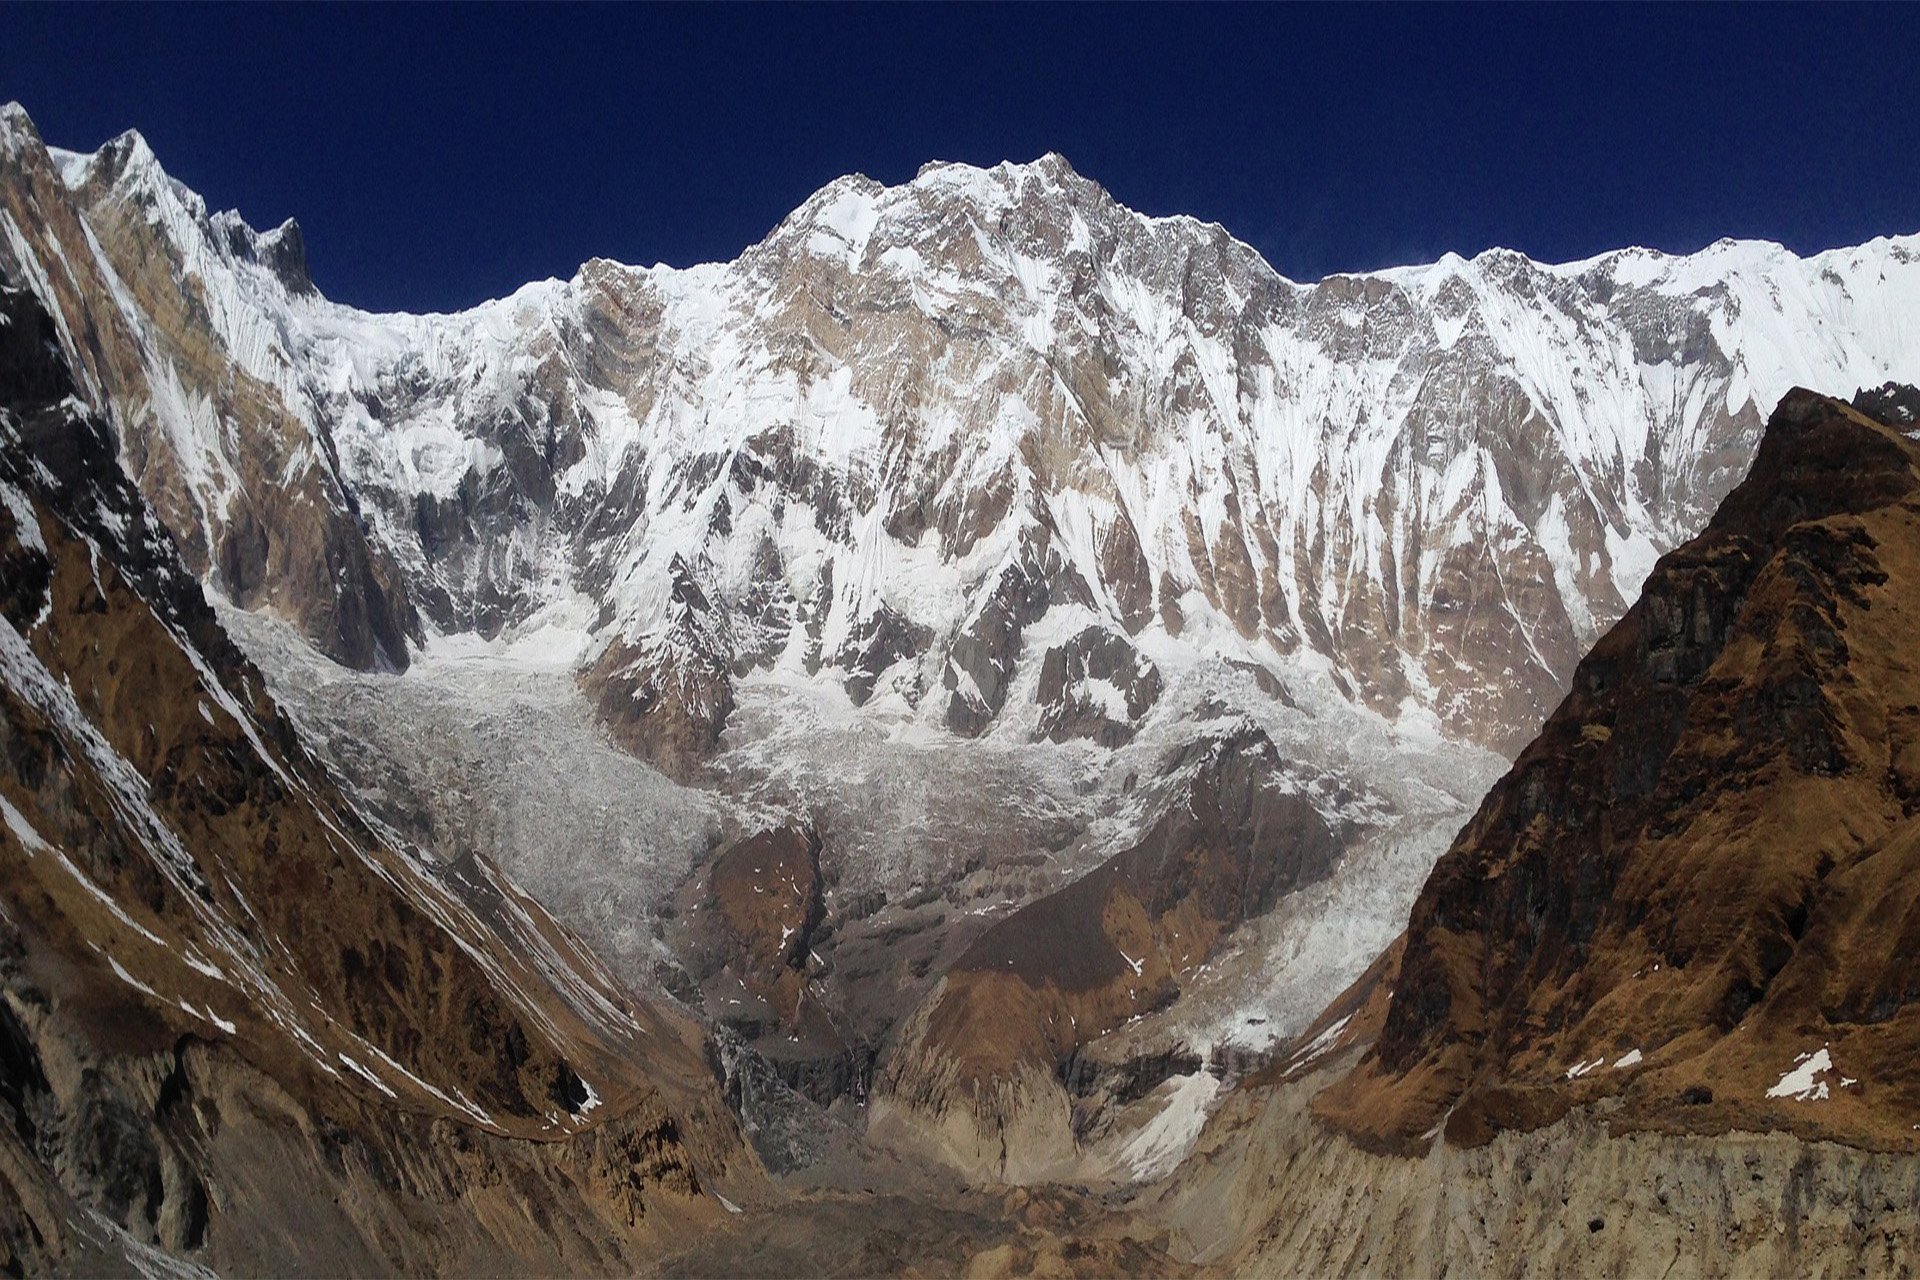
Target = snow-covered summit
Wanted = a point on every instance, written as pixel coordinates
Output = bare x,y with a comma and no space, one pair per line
919,420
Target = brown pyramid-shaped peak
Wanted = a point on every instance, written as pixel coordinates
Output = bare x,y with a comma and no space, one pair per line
1698,890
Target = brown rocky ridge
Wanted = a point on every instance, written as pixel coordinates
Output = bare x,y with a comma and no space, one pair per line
1652,1011
746,930
239,1023
1693,898
979,1071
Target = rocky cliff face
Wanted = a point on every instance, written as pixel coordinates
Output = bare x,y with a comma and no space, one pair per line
914,421
1691,895
200,1059
1652,1009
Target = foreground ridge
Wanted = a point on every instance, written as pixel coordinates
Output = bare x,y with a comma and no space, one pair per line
1654,1007
1688,889
231,1007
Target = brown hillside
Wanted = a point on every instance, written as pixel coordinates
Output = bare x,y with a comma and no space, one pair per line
238,1021
1705,872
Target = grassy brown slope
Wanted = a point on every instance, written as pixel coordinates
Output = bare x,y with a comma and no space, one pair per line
1709,855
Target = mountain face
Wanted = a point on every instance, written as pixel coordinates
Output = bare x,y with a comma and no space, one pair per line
226,459
982,553
1655,1005
193,1058
914,422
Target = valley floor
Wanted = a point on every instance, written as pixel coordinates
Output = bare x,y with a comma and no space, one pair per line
1269,1191
983,1232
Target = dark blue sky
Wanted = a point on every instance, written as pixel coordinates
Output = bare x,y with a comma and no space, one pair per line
436,156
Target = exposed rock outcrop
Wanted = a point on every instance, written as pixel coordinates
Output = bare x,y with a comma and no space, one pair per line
666,696
976,1072
201,1059
1651,1011
1096,686
1691,897
1272,1191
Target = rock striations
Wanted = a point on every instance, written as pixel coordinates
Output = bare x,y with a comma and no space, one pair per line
239,1022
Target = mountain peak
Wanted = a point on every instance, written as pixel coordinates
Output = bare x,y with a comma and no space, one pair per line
1053,165
127,162
16,129
130,153
1052,169
283,250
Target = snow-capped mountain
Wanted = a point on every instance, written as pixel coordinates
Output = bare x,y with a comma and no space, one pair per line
915,421
948,518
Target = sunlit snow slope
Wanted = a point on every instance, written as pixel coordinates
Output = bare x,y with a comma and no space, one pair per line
887,440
